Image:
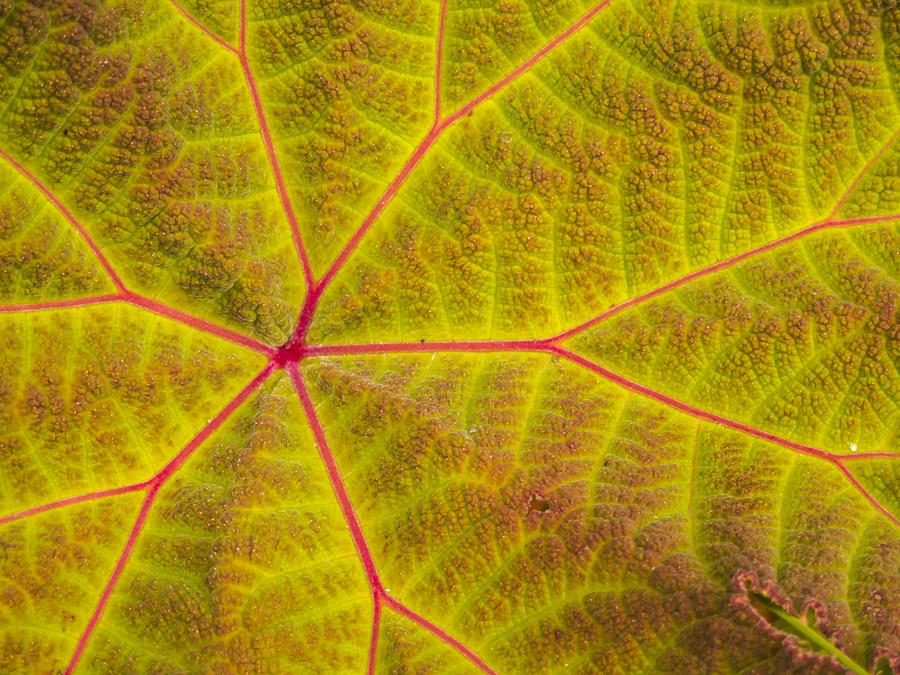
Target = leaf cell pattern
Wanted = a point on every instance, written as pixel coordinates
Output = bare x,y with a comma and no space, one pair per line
524,336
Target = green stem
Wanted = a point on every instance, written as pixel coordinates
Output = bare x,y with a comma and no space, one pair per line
788,623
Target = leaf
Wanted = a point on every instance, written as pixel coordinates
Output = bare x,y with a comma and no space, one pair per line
442,336
803,628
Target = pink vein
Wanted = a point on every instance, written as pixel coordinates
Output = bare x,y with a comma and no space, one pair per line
385,199
865,493
152,486
863,173
176,462
82,232
198,323
280,184
438,632
528,64
722,264
61,304
373,643
658,396
334,476
870,455
439,63
427,347
685,407
437,129
68,501
379,594
159,308
198,24
829,222
124,294
113,579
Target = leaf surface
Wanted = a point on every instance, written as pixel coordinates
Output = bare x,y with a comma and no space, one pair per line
448,336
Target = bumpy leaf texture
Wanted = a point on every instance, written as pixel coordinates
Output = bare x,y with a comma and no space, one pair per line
416,336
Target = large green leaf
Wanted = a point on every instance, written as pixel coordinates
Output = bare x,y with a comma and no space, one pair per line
449,336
